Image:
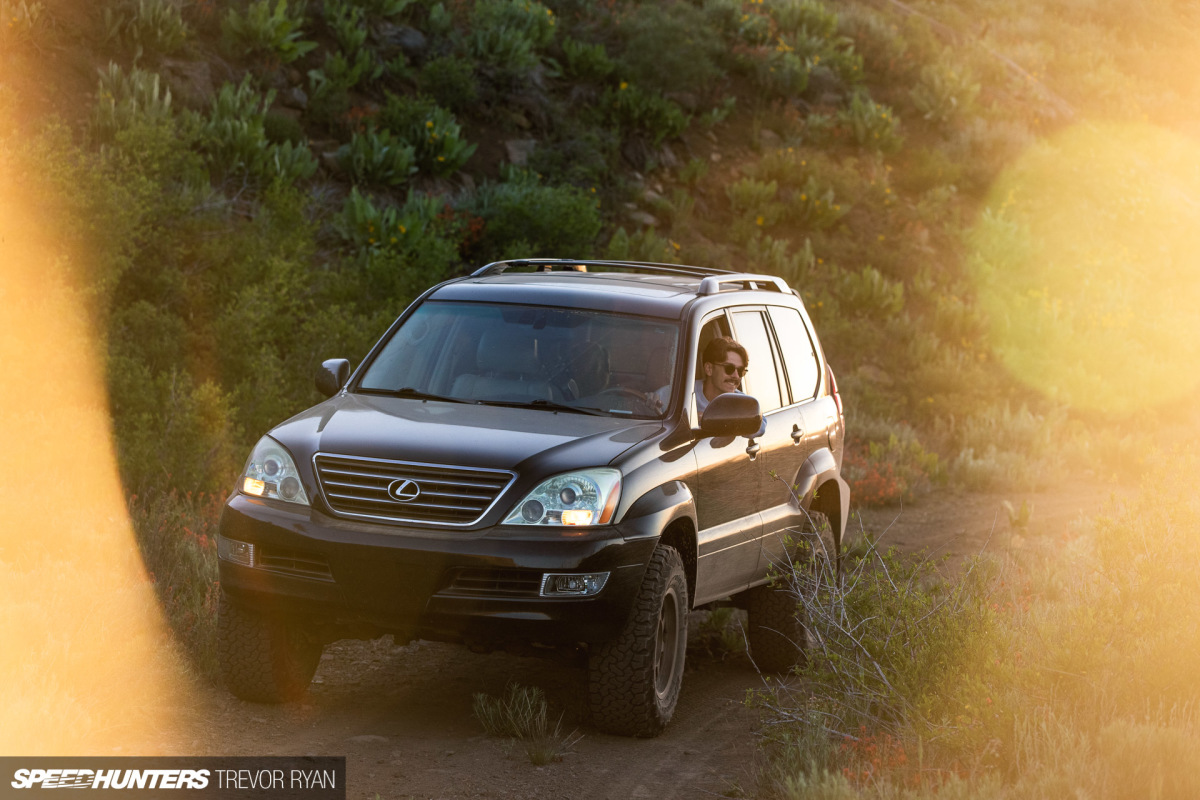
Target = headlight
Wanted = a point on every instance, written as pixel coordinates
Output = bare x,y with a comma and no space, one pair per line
270,472
585,497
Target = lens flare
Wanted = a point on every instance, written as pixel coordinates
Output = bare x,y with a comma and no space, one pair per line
1087,263
86,664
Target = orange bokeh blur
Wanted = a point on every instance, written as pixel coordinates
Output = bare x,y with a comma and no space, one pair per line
86,662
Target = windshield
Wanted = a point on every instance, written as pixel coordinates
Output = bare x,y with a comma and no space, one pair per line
589,361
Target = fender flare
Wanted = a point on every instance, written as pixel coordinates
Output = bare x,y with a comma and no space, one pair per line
662,506
668,512
819,486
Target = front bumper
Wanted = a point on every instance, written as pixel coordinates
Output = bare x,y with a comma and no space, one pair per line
343,578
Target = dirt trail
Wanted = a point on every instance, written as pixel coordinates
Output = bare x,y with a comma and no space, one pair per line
402,715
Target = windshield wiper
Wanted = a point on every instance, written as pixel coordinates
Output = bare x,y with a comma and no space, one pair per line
546,405
409,393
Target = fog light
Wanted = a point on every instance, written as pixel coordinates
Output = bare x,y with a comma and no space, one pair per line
573,584
235,551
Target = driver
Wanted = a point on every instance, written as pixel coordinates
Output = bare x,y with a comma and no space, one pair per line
725,363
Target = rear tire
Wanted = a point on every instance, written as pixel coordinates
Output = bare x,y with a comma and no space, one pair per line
634,680
777,637
776,633
263,659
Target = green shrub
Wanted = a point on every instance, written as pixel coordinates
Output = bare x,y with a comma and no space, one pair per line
384,9
329,86
520,713
530,19
523,714
152,25
669,47
693,171
577,153
177,536
234,138
450,81
775,257
718,113
815,206
404,249
811,16
347,22
507,54
887,471
643,245
376,157
176,431
587,62
636,110
782,73
280,128
946,90
21,22
273,32
755,201
341,73
127,99
525,217
433,132
746,23
506,36
869,293
234,135
870,125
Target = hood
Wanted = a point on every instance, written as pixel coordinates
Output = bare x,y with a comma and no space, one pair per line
436,432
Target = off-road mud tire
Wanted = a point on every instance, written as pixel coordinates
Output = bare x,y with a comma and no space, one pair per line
634,680
775,631
263,659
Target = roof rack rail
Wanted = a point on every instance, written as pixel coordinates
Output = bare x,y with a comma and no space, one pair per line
581,265
747,280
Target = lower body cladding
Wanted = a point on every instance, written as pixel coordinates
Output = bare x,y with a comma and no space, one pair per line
489,587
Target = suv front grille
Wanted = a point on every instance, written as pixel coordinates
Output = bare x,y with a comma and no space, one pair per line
399,491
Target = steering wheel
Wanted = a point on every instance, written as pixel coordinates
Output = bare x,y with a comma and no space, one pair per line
627,393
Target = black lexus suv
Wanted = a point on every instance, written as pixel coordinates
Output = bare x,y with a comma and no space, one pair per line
519,463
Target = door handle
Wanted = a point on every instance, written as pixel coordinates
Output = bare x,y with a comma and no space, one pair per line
752,449
797,434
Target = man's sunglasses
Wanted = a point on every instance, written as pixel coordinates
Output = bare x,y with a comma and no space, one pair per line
732,368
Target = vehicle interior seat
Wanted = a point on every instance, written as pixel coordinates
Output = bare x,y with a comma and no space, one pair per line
507,369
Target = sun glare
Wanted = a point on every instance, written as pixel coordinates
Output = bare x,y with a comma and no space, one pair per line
1087,263
86,663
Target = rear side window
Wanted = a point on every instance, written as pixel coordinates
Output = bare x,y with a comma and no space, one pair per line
799,355
762,379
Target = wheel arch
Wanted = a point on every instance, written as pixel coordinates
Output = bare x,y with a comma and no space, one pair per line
669,510
820,487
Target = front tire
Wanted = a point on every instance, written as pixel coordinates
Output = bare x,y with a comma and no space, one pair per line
263,659
634,680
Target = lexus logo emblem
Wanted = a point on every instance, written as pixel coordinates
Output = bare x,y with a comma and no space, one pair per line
404,490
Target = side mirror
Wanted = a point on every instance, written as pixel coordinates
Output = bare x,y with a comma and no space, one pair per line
731,414
332,375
